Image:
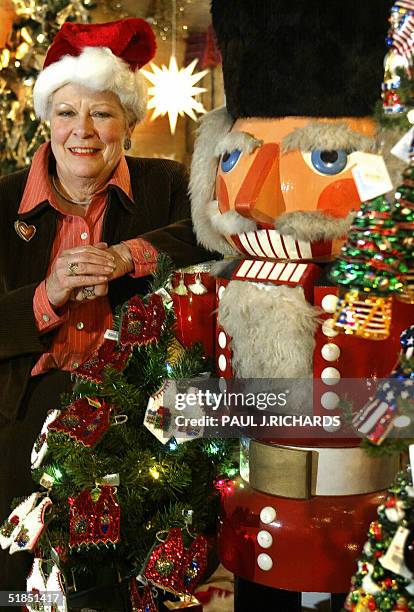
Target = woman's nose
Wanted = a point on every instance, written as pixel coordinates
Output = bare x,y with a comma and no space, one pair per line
83,126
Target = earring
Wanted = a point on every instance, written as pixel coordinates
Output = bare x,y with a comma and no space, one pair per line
127,143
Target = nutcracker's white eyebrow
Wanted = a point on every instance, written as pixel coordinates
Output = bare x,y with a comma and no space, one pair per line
327,137
243,141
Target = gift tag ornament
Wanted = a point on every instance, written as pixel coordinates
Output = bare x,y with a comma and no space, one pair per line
94,517
12,524
197,287
141,323
40,447
86,420
24,231
31,527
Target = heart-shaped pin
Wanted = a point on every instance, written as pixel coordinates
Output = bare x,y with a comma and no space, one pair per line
24,231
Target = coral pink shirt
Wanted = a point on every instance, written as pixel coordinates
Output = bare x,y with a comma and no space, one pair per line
79,326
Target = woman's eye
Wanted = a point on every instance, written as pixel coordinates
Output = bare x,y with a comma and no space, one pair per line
65,113
329,162
229,160
101,114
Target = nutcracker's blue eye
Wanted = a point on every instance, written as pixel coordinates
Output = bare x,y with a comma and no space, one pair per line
229,160
329,162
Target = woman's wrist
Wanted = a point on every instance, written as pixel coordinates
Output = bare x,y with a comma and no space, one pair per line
123,259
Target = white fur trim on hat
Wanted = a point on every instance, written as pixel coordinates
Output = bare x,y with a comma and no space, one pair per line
100,70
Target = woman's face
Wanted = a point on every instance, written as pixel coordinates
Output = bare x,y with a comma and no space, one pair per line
87,132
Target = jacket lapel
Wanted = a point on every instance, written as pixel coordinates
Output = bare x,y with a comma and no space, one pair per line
34,255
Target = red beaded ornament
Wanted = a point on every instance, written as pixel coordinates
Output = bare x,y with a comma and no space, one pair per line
141,599
141,323
85,420
173,567
108,354
94,521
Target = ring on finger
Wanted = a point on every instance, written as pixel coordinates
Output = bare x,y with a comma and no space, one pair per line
72,268
88,292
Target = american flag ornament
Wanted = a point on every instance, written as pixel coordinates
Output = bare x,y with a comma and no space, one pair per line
384,412
399,58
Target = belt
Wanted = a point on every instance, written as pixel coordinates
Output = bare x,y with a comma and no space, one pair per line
300,473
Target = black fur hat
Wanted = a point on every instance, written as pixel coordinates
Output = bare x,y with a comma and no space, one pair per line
301,57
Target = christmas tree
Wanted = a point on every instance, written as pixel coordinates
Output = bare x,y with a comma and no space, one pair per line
403,217
384,579
35,26
368,271
113,486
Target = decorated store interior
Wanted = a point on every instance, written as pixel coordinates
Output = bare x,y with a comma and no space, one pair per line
206,305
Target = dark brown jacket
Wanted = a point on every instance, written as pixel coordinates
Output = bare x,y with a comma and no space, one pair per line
160,214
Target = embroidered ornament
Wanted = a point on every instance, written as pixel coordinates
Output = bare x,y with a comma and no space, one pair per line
141,323
24,231
11,525
173,567
40,447
157,417
38,584
108,354
141,599
31,527
94,517
86,420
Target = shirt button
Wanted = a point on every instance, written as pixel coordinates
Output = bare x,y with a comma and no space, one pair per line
147,254
75,365
45,318
84,235
80,325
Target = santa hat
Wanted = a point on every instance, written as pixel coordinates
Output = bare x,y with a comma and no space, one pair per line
301,58
103,57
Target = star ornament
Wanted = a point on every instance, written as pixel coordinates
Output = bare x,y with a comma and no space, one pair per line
173,90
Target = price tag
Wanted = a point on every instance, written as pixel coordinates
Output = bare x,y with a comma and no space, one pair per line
111,334
403,146
371,175
393,560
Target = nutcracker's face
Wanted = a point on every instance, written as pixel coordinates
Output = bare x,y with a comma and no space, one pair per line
281,188
297,166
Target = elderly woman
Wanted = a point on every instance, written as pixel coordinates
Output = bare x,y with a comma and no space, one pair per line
79,229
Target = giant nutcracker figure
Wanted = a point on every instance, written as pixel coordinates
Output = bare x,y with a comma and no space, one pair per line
274,189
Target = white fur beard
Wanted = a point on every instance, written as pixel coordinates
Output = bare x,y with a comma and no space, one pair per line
272,330
313,225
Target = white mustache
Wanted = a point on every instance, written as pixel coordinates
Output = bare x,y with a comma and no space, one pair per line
313,225
230,222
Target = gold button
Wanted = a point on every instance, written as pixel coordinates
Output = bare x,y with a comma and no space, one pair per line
80,325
